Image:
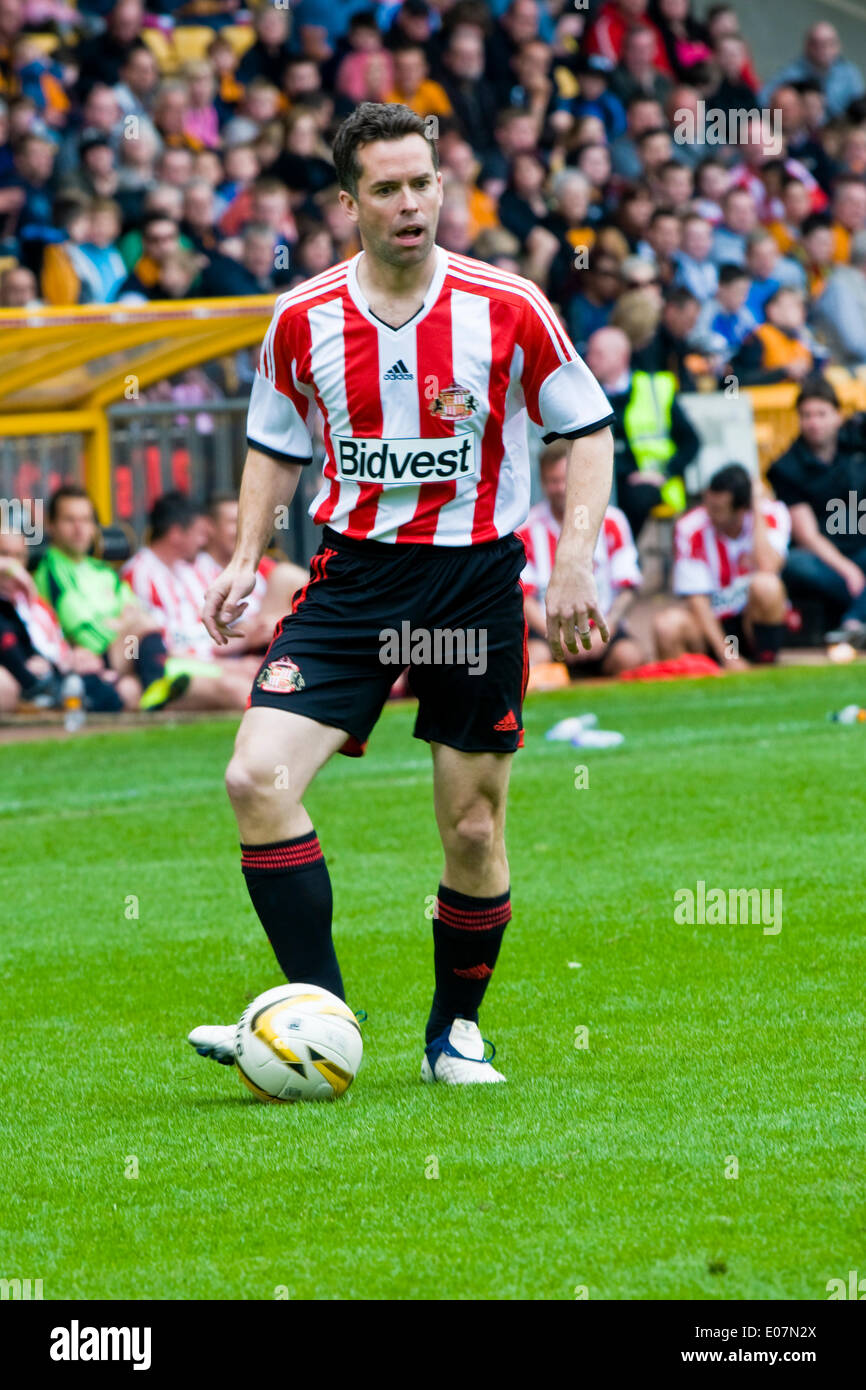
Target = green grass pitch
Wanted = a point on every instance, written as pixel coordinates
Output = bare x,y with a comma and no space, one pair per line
599,1168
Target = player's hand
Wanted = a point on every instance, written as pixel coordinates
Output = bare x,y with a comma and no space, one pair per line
571,603
15,582
224,603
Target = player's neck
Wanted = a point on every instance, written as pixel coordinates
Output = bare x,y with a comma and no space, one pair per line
386,284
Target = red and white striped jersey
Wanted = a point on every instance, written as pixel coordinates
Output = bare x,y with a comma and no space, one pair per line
175,594
708,562
44,630
615,562
208,569
424,425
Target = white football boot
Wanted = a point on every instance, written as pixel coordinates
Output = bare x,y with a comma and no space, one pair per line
457,1057
216,1041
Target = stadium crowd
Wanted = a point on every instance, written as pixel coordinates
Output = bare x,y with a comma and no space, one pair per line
693,221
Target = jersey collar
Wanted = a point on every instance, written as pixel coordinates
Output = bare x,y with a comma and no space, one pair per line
433,291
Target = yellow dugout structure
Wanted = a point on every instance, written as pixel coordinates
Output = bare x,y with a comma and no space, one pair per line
61,368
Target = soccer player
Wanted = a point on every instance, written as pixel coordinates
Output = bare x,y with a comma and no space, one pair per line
424,364
96,609
277,581
728,557
615,565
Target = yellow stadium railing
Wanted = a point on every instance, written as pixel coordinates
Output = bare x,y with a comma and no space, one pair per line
60,368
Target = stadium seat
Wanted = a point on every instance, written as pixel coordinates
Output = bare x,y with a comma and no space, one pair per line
240,36
191,42
162,49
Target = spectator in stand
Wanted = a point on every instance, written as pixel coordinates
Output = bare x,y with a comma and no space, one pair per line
268,55
159,241
607,34
138,82
637,74
685,38
663,241
696,270
96,610
740,219
712,182
277,581
590,308
413,86
770,271
726,320
671,350
35,654
615,567
849,215
728,554
733,92
822,479
781,348
594,97
29,186
815,254
840,312
840,80
519,25
167,585
18,288
653,439
102,57
643,114
471,95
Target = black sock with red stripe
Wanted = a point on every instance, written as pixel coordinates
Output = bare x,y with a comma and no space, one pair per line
290,888
467,934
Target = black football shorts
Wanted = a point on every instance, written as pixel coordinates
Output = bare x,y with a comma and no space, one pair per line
452,615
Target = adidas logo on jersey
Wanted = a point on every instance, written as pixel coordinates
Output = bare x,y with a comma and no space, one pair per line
506,725
399,372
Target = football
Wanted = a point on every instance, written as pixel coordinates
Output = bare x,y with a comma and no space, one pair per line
298,1042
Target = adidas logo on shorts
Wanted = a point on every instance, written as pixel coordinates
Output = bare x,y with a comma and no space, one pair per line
399,372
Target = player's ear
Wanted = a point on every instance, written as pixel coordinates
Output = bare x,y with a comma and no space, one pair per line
348,204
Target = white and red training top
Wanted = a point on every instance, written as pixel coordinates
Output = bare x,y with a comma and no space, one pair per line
175,594
424,425
708,562
615,562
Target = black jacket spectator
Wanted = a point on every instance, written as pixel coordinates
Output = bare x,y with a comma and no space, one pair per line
800,476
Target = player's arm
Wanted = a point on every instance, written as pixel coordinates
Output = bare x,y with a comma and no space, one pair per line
571,599
710,628
808,534
267,483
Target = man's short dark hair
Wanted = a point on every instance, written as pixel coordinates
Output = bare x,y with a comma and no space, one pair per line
817,388
217,500
729,272
173,508
374,120
733,478
815,220
64,491
678,297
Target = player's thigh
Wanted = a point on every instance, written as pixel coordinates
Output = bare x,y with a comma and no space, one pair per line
278,748
469,786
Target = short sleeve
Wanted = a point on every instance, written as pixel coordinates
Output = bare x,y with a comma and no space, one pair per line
778,520
562,396
692,573
624,562
280,410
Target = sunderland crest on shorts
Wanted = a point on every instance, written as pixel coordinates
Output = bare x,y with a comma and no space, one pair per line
454,403
280,677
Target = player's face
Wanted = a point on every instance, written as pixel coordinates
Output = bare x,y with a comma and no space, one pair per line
722,512
398,202
73,527
553,481
224,527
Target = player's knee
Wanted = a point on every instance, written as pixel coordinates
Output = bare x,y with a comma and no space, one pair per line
10,691
766,591
475,832
669,625
251,778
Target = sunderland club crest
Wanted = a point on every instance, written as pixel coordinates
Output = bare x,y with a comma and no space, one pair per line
454,403
281,677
